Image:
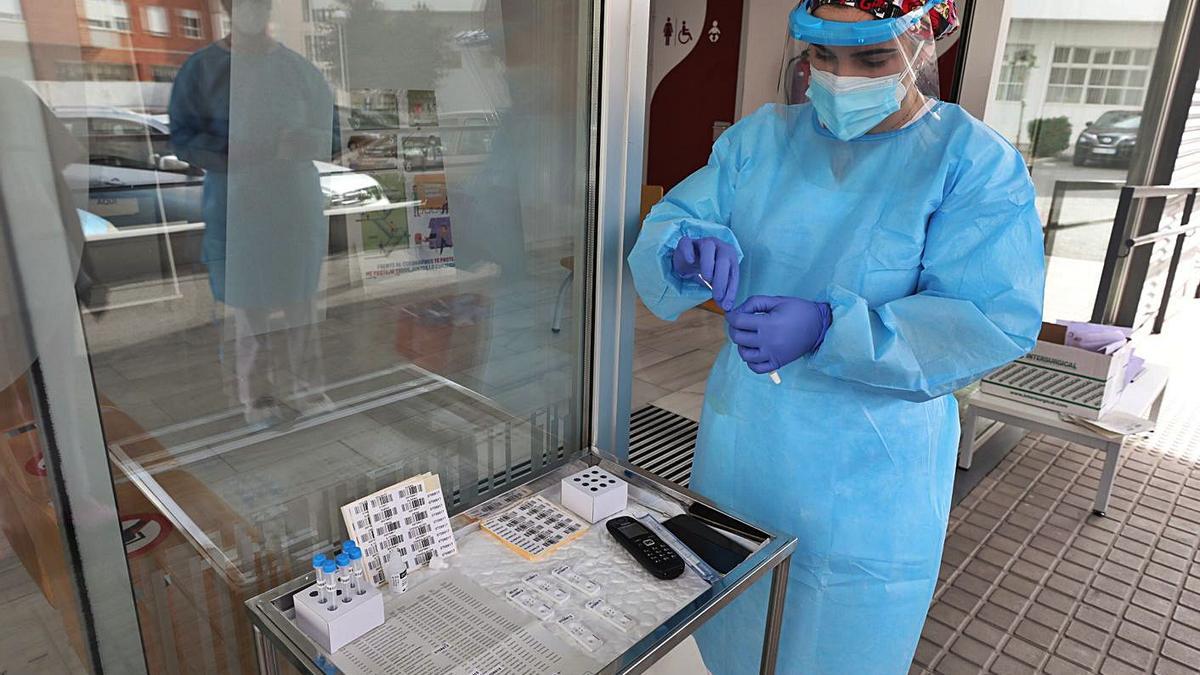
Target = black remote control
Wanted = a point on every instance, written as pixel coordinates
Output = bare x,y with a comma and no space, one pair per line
645,547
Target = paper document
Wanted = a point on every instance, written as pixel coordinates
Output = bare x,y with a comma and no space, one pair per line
451,624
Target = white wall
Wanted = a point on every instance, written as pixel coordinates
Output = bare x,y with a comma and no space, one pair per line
1106,10
764,33
1045,35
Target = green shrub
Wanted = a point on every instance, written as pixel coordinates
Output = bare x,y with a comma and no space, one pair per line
1049,136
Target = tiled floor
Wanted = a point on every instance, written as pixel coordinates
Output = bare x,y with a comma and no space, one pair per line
31,632
672,359
1032,581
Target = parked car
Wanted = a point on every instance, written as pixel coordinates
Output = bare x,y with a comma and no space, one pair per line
1111,139
135,184
133,179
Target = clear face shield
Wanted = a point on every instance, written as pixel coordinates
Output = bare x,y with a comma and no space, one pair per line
860,74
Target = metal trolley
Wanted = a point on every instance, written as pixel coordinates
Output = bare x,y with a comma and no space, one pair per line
278,639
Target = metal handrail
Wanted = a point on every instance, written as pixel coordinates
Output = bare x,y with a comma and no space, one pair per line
1118,239
1156,236
1061,188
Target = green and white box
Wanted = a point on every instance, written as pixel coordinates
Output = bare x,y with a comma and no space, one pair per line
1063,378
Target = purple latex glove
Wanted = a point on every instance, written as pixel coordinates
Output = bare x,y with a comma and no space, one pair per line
1094,337
712,259
772,331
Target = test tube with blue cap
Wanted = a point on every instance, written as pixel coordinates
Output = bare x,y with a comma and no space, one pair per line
347,545
318,563
774,374
360,572
344,576
329,594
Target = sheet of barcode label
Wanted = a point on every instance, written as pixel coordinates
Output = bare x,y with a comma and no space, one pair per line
408,519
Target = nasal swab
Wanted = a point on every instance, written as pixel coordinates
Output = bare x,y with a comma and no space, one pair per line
774,374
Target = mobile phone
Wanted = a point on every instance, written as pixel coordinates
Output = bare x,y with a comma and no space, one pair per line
645,547
721,521
720,552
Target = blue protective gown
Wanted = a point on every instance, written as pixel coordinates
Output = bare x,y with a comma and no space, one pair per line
265,234
931,257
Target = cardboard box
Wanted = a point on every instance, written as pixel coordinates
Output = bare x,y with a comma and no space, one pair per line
1062,378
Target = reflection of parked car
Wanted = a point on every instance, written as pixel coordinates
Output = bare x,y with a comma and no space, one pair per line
152,200
132,180
1111,138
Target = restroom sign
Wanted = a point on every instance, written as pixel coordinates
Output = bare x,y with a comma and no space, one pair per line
141,532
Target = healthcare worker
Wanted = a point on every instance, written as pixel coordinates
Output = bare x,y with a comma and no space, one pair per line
255,116
879,249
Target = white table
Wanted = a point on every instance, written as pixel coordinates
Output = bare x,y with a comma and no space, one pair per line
1141,398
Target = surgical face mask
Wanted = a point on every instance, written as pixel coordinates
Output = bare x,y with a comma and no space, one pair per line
851,106
251,18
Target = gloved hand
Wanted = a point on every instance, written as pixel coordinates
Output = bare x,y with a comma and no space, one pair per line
772,331
714,260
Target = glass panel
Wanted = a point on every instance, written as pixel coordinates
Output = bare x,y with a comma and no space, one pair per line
319,257
1099,76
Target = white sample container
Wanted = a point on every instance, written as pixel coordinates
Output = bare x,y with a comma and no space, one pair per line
594,494
1063,378
333,629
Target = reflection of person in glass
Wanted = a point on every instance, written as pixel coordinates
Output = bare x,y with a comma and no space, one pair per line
256,115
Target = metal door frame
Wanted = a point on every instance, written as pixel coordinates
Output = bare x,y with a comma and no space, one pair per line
623,57
37,254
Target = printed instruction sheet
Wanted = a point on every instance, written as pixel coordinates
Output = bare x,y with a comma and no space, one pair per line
451,624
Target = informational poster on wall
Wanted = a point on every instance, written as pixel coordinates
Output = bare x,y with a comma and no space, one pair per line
394,138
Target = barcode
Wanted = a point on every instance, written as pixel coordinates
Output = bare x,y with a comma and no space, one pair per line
388,528
359,508
417,517
416,503
389,512
420,529
382,499
424,543
413,489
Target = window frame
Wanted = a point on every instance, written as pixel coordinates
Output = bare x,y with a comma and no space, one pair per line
1005,78
1078,74
161,11
185,28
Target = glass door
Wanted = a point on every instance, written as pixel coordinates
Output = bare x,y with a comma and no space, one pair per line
1069,94
300,250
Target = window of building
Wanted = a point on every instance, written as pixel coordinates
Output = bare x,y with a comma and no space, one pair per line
157,21
163,73
108,14
1014,72
75,71
224,25
1099,75
189,23
10,9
